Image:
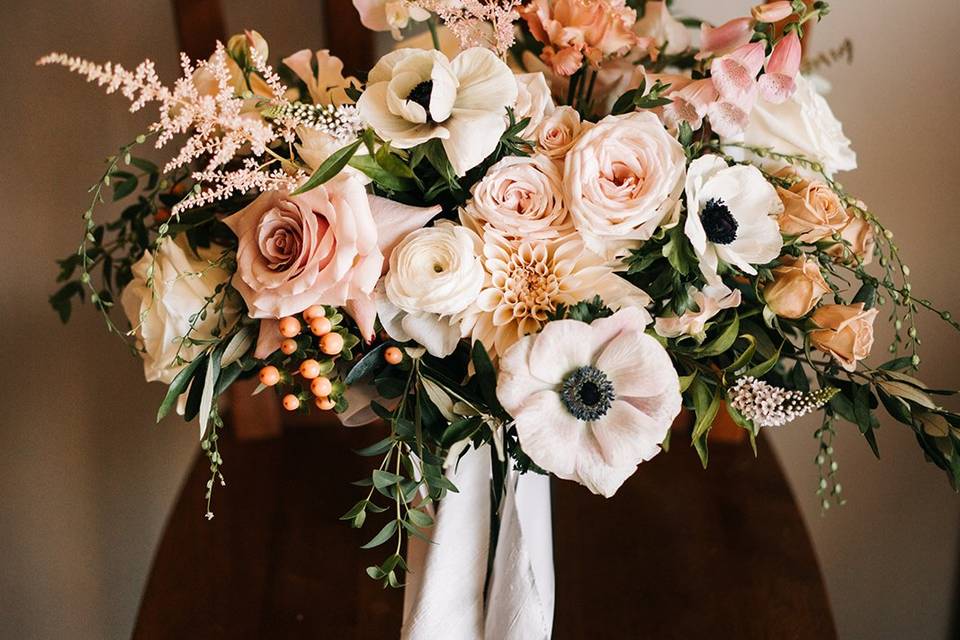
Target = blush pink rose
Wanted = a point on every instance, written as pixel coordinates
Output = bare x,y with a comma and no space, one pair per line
325,246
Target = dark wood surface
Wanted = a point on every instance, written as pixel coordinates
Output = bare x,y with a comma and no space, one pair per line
679,552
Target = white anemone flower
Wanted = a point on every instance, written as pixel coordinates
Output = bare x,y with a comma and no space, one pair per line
413,96
731,216
591,401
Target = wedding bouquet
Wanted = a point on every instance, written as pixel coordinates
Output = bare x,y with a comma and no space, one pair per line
523,255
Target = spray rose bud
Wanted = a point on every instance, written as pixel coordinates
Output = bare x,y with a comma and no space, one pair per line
846,332
796,289
772,11
857,242
240,45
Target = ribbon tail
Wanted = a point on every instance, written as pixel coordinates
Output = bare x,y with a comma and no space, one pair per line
445,579
521,597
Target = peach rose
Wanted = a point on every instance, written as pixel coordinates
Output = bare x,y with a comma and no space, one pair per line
558,132
811,211
796,289
522,198
858,242
846,332
622,178
325,246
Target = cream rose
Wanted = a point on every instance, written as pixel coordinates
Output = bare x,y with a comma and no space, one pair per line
846,332
533,101
435,274
325,246
622,178
811,211
182,281
796,289
522,198
558,131
803,125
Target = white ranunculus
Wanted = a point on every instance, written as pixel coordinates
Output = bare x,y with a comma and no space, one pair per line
731,216
622,179
522,198
435,274
161,316
533,101
803,125
413,96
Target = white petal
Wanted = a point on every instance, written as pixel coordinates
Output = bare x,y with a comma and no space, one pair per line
473,136
486,83
636,364
383,70
549,434
516,382
601,478
444,92
562,347
625,434
439,335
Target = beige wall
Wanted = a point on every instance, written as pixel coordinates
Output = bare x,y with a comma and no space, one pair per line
86,478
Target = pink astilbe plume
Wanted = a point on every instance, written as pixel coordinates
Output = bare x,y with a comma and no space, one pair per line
219,123
477,23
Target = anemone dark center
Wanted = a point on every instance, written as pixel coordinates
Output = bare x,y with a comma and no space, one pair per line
421,95
587,393
718,223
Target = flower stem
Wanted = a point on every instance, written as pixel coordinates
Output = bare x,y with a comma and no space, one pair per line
432,25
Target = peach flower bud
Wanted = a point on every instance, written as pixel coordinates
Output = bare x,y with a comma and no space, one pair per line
811,211
796,289
772,11
717,41
846,332
857,242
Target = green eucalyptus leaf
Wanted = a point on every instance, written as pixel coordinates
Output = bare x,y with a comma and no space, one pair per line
723,342
330,167
370,362
179,385
382,536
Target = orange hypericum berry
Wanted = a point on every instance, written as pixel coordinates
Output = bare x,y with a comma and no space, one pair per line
310,369
320,326
291,402
331,344
393,355
313,312
321,386
162,214
289,327
269,376
324,404
288,346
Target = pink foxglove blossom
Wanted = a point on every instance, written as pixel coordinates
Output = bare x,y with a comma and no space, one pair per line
777,84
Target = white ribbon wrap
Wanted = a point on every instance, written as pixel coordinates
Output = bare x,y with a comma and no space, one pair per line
444,592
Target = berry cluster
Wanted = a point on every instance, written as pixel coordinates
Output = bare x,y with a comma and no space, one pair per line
305,364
